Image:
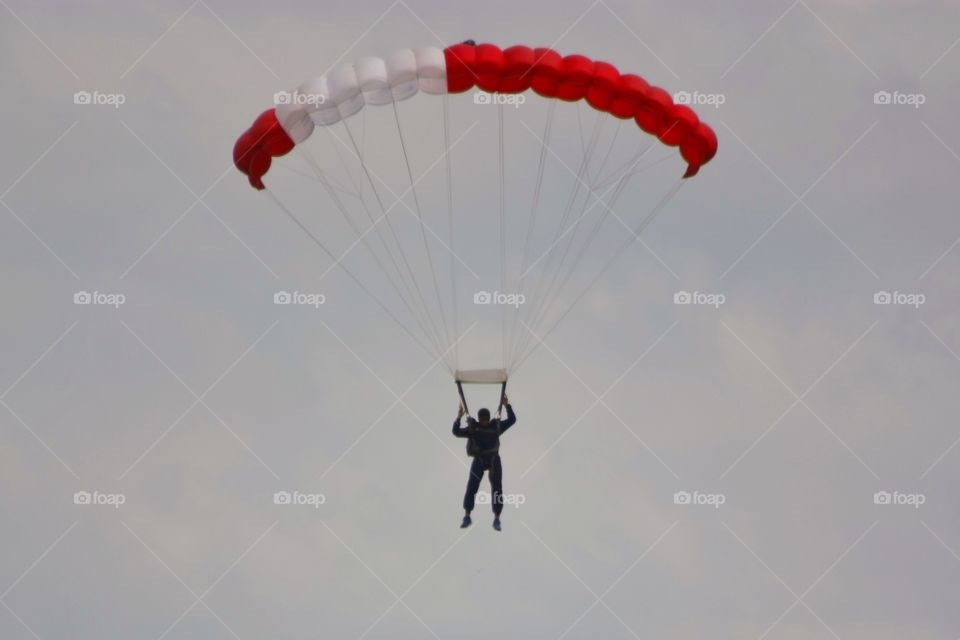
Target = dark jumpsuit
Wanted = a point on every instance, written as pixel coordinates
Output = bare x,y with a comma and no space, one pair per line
487,440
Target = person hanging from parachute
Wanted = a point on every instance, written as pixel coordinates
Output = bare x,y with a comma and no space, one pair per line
331,102
483,445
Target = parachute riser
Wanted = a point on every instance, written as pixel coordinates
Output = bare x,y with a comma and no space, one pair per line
463,397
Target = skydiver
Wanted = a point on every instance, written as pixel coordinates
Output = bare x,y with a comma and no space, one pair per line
483,445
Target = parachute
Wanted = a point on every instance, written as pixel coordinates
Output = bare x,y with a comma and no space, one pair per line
559,208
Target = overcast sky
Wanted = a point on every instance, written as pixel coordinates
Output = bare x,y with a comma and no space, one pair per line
182,399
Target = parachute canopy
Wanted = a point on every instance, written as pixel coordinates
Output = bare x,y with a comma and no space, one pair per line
347,88
541,183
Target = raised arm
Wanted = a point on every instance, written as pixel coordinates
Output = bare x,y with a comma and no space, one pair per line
458,431
511,417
